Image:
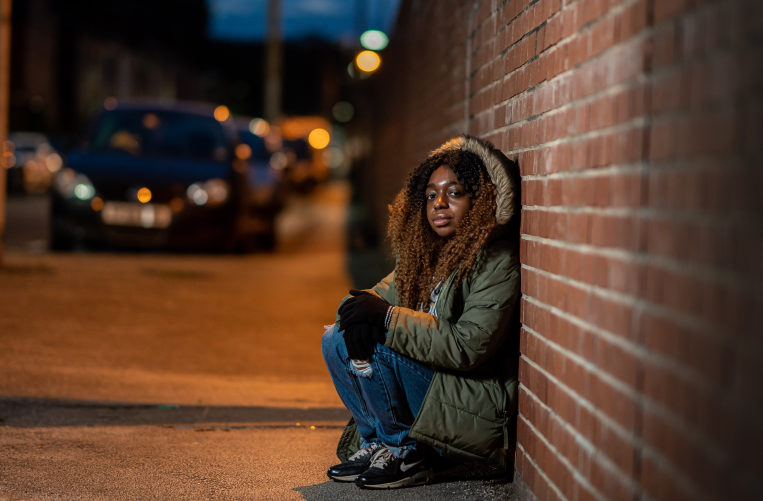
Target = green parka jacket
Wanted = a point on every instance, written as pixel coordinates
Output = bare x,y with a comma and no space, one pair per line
472,342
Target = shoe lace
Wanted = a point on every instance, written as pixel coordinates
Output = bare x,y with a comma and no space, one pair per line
364,452
382,459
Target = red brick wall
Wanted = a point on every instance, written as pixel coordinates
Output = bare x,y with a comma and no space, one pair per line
637,125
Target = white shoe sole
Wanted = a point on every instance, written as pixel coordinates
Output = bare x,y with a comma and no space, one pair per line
420,478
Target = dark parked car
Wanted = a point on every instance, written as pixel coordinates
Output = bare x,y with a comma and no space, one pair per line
266,186
151,175
33,163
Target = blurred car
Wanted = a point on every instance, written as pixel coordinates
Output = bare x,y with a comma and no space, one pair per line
305,167
299,165
33,165
265,181
155,175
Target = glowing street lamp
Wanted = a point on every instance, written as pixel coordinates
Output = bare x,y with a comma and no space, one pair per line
368,61
374,40
221,113
319,138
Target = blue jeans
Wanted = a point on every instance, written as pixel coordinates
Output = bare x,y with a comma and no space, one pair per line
385,402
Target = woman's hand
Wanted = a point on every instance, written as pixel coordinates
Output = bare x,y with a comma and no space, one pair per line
363,307
361,339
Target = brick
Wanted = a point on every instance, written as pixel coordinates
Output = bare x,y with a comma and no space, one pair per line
620,450
660,484
672,442
672,392
688,241
569,20
670,92
484,12
610,358
546,224
578,50
610,486
547,460
532,192
578,228
611,401
600,311
539,486
622,64
665,41
666,9
632,21
603,35
615,231
510,11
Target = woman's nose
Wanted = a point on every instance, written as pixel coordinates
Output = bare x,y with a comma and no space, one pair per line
439,202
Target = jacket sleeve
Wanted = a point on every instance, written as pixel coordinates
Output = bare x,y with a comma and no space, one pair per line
385,289
465,342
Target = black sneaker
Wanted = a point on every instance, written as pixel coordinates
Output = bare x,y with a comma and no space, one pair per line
389,472
355,464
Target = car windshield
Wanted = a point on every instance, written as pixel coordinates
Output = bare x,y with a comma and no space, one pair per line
160,134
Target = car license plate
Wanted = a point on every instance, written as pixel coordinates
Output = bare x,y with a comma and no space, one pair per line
140,215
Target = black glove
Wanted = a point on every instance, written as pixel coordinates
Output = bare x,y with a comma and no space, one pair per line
363,307
360,340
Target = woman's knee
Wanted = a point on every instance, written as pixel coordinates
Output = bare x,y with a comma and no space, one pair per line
330,342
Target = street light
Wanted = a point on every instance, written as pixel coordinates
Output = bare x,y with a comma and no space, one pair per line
374,40
368,61
319,138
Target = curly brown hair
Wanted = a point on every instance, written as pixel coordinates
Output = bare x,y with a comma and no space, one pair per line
424,259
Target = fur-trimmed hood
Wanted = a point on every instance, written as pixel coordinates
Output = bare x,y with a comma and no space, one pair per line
503,172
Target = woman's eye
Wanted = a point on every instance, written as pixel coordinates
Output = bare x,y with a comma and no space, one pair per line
455,193
431,196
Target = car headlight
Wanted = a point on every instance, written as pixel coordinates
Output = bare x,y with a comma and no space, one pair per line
71,184
212,192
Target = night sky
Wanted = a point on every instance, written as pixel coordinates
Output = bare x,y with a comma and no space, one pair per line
336,20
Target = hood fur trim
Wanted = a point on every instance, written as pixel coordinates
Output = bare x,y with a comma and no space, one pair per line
497,166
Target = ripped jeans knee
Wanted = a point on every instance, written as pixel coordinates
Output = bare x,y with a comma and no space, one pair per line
361,368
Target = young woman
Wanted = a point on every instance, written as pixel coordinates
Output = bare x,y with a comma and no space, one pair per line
426,360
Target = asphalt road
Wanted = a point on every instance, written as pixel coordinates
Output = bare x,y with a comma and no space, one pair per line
162,376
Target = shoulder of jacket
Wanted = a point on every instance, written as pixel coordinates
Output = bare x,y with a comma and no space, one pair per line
497,255
499,252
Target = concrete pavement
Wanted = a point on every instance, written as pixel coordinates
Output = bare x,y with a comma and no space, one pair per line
159,376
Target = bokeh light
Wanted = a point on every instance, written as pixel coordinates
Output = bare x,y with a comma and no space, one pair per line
177,204
54,162
243,151
368,61
110,103
96,204
150,121
374,40
343,111
259,127
84,191
319,138
222,113
144,195
333,157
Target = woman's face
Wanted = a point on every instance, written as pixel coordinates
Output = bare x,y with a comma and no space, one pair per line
447,201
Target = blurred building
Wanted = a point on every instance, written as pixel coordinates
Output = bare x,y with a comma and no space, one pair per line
68,57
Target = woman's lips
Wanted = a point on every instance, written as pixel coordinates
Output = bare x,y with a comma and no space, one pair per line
440,221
